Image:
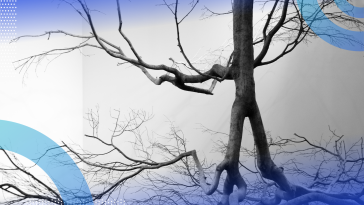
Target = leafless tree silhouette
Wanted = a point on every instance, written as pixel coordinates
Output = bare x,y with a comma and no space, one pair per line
283,23
328,168
20,185
335,167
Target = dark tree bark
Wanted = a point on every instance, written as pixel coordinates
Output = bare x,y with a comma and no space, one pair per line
245,106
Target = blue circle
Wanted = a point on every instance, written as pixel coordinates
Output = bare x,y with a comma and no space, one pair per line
32,144
327,30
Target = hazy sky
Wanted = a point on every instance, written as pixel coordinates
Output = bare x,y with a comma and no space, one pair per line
314,86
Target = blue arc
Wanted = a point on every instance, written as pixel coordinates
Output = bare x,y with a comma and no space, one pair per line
325,27
32,144
350,10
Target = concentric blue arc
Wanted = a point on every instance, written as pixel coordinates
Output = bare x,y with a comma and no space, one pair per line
32,144
309,7
350,10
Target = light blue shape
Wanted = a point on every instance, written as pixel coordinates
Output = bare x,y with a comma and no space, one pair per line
324,28
32,144
349,9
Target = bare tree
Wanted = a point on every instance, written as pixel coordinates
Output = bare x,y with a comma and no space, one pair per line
21,185
329,169
283,23
332,177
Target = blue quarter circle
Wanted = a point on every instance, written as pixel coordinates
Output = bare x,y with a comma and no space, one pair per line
32,144
309,7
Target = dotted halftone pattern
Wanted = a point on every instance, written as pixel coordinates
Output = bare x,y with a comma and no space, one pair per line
7,32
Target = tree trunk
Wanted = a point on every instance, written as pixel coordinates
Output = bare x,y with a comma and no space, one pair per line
245,105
